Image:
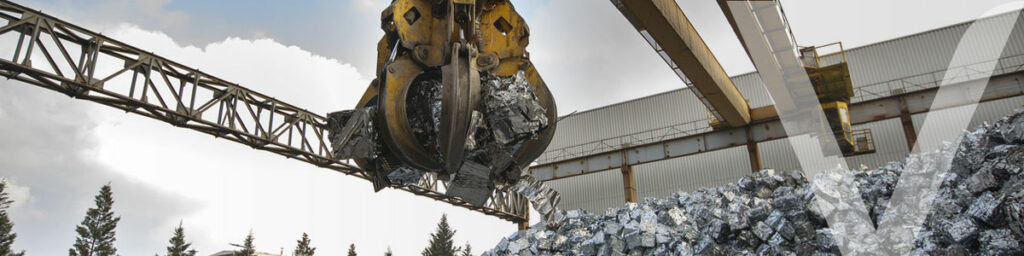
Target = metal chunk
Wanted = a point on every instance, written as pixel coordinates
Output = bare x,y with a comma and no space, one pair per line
352,134
471,183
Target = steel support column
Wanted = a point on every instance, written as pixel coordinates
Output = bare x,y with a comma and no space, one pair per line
755,156
628,183
525,223
908,125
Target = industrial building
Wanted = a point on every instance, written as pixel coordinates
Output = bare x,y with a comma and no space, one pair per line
897,67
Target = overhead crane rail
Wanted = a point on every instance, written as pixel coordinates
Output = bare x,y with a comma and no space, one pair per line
63,57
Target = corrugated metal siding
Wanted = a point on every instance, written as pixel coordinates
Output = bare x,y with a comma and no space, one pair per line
661,179
778,155
875,69
752,88
594,193
890,144
630,117
986,112
889,141
920,53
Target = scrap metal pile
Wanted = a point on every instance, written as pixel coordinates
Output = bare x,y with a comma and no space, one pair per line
978,210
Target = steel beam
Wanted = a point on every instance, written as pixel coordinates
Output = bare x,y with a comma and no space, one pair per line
999,87
754,155
909,134
665,27
60,56
628,183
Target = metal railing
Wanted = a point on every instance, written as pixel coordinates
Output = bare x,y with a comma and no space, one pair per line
933,79
863,142
620,142
63,57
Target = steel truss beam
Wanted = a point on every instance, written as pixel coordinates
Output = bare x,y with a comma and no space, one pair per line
66,58
1009,84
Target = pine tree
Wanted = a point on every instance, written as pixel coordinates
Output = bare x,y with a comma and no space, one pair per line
441,243
178,245
467,251
388,252
247,248
7,234
303,248
352,250
96,233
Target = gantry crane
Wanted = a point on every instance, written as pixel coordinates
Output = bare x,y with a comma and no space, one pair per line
664,26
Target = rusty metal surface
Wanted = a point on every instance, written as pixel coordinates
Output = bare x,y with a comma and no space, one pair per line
63,57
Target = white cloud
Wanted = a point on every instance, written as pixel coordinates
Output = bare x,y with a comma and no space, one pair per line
236,188
20,195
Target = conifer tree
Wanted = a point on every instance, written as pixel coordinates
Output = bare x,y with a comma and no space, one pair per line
388,252
303,248
7,234
178,245
247,248
96,234
352,250
441,243
467,251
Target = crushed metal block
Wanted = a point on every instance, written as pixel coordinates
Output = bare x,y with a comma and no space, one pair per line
352,134
513,111
999,242
543,198
471,183
987,209
961,229
405,176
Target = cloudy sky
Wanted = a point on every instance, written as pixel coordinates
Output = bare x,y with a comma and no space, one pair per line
319,54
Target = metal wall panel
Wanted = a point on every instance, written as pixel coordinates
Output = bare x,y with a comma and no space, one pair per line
594,193
687,174
889,140
652,112
753,89
986,112
890,145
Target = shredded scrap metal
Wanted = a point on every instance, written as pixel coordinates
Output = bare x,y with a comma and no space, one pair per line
352,135
509,115
979,210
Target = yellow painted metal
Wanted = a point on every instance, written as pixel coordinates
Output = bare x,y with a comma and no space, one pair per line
667,29
509,66
831,83
427,36
384,47
393,120
503,31
816,51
